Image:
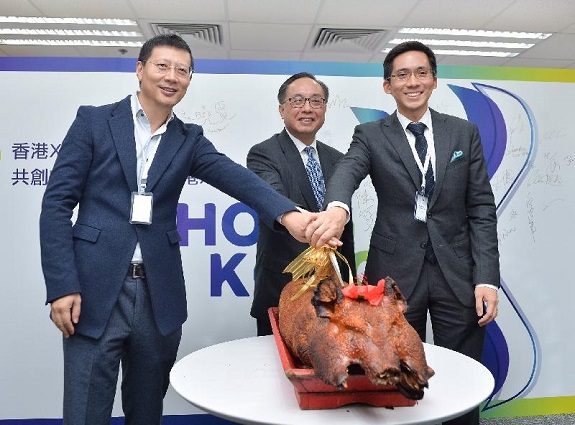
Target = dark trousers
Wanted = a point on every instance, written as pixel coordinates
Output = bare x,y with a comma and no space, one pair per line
131,338
264,327
454,325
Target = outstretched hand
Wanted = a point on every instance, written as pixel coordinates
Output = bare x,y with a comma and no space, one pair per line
327,227
298,225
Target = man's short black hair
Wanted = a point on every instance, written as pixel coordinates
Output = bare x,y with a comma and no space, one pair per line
408,46
170,40
283,88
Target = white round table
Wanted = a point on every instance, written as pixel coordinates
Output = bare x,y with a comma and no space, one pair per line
243,381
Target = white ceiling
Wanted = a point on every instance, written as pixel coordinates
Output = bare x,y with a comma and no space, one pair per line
287,29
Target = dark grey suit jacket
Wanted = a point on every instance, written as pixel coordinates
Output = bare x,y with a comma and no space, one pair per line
278,162
461,220
96,170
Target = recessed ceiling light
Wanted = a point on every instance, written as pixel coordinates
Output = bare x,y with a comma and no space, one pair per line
66,32
491,53
468,43
475,33
95,43
66,21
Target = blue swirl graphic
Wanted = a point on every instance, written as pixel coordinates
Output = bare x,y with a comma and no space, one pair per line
484,112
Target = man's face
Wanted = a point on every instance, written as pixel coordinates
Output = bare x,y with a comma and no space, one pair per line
303,122
161,85
411,95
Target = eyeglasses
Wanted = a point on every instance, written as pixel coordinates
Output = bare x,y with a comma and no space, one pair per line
405,74
299,101
164,67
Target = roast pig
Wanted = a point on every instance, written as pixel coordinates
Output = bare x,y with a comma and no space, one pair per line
330,332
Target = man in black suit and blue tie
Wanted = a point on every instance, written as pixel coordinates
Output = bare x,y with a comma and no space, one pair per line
436,226
297,165
114,277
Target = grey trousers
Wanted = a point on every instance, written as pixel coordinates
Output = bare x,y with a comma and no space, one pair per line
131,338
454,325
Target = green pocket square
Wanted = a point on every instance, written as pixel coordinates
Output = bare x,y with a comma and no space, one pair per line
456,155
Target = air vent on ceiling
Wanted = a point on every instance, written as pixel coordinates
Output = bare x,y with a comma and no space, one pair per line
209,33
366,38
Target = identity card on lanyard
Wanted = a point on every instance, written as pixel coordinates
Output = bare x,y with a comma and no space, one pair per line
421,201
142,201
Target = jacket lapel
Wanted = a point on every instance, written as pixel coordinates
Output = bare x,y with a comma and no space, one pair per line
397,138
297,169
122,129
327,162
170,144
442,141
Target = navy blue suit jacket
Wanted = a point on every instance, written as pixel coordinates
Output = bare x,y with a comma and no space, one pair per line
96,171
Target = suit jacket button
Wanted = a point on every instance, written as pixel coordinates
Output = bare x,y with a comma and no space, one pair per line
428,215
423,245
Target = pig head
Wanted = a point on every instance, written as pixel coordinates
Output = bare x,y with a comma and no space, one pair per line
329,332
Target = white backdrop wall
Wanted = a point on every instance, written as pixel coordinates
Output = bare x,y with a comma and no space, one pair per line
533,187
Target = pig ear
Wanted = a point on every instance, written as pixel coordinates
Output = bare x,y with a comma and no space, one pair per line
391,289
326,296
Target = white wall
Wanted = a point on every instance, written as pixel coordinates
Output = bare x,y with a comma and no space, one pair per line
536,224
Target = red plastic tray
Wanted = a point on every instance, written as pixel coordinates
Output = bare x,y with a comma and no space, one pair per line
312,393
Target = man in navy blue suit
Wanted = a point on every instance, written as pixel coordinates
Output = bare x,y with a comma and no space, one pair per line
114,278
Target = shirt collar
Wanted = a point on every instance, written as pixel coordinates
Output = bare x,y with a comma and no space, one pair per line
425,119
299,144
140,116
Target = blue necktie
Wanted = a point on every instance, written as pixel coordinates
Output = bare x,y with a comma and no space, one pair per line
418,128
315,176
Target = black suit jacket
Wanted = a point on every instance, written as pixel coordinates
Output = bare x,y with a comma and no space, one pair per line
278,162
461,216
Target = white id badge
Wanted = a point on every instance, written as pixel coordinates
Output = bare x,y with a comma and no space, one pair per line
420,212
141,208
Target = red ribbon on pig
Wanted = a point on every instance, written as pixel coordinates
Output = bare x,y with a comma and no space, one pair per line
373,294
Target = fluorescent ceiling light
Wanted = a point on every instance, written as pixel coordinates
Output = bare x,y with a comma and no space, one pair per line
95,43
475,33
469,43
490,53
63,32
67,32
66,21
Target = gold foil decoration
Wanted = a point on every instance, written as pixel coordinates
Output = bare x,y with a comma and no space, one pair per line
316,264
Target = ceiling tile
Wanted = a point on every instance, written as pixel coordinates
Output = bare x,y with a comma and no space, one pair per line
18,8
282,12
535,15
364,13
180,10
83,9
558,46
462,14
253,36
266,55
